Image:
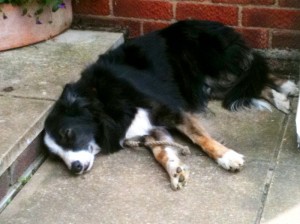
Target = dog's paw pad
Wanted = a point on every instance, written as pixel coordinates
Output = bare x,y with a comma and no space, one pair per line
231,160
179,177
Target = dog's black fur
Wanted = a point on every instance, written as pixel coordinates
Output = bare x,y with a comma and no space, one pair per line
170,71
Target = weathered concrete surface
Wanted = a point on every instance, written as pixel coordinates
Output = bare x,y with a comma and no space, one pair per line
130,187
283,201
40,71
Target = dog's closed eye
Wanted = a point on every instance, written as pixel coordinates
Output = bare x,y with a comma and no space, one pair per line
67,135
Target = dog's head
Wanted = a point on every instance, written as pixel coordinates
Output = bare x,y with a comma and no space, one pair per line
70,131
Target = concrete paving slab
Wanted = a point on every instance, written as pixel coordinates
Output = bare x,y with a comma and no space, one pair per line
289,154
21,120
130,187
41,70
283,202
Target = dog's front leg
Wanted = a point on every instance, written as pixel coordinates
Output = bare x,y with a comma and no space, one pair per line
168,158
227,158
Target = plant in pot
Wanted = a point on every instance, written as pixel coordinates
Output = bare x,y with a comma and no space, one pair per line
41,5
25,22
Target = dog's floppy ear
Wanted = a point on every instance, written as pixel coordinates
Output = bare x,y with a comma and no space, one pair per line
69,95
109,131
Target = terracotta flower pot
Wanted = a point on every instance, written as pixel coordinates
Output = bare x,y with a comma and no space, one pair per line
17,30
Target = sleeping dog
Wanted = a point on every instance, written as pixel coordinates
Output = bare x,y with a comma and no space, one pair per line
157,82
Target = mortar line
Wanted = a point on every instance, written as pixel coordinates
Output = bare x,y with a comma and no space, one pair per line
272,168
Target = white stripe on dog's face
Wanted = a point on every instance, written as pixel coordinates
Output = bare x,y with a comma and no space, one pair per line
85,156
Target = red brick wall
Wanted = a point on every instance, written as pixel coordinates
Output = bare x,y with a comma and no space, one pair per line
264,23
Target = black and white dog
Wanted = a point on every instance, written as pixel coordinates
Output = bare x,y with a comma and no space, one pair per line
157,82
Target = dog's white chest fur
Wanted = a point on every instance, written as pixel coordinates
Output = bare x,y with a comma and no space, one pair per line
140,125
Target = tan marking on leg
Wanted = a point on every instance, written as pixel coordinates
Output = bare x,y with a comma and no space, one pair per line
167,157
277,81
267,94
192,129
227,158
160,155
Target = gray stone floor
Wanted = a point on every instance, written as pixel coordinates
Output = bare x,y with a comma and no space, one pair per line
130,187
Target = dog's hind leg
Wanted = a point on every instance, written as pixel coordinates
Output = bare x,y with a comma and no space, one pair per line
278,91
277,99
168,158
227,158
284,86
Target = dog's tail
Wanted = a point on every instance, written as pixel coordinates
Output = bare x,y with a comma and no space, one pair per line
247,89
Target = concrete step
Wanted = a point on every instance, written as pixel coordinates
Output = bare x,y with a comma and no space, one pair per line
31,79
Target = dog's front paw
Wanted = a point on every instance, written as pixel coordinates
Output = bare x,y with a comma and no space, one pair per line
178,176
231,160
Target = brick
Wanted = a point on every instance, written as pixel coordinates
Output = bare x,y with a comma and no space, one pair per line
26,159
271,18
143,9
117,24
286,39
289,3
225,14
4,184
244,2
91,7
255,38
152,26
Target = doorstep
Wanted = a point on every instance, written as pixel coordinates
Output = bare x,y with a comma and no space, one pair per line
31,79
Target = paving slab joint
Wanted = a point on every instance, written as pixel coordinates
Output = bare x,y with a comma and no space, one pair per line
272,168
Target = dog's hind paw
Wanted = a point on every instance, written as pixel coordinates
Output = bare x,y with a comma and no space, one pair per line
231,161
179,176
289,88
281,102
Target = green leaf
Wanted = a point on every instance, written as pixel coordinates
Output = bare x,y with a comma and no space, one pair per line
55,8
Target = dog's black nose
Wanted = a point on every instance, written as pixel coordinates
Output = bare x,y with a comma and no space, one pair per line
76,167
